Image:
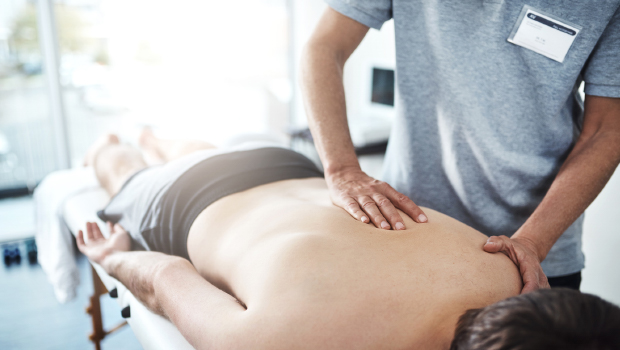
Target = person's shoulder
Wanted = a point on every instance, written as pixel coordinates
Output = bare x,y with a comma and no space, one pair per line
493,276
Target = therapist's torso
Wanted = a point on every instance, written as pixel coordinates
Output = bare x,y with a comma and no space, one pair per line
483,125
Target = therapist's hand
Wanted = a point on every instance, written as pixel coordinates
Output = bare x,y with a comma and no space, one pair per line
370,200
524,255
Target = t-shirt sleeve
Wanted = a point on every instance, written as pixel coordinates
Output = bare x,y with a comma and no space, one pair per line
371,13
602,72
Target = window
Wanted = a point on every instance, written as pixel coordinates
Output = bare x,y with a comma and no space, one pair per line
201,69
25,137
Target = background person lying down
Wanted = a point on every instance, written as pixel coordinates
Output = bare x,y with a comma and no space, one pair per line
247,251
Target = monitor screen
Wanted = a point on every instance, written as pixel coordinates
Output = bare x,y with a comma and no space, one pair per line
383,86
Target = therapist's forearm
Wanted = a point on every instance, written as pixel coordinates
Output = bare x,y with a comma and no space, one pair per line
366,199
333,41
581,178
322,72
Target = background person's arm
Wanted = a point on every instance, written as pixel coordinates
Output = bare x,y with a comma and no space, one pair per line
581,178
171,287
366,199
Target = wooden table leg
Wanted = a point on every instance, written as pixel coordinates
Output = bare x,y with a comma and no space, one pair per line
94,309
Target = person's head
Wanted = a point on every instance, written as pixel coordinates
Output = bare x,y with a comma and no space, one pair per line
114,163
546,319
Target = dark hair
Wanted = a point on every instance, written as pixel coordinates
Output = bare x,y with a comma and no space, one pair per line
545,319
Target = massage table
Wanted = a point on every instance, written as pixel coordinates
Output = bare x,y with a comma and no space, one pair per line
65,200
151,330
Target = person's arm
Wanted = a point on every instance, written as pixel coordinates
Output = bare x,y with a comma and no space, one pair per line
581,178
171,287
366,199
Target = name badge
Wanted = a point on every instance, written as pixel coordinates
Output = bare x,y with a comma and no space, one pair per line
544,33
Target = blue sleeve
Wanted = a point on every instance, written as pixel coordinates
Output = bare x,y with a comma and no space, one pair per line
602,71
371,13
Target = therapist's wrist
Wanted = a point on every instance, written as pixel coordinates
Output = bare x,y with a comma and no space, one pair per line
337,170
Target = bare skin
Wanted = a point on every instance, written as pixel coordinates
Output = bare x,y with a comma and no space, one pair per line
113,162
279,266
583,175
104,140
167,150
298,282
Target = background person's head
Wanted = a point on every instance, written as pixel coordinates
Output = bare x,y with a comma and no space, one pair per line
114,163
546,319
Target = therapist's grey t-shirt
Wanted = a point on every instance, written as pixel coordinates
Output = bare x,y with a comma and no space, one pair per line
484,125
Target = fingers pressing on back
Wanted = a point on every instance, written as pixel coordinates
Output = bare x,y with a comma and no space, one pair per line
530,281
545,283
110,227
370,207
389,212
405,204
353,208
493,244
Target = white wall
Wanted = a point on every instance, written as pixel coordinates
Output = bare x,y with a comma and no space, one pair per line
305,15
191,70
601,243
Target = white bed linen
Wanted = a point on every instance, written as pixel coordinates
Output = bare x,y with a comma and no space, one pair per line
55,245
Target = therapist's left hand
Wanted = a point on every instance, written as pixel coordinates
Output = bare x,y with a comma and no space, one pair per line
523,254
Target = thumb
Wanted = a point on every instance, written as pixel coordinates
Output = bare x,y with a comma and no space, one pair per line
531,279
494,244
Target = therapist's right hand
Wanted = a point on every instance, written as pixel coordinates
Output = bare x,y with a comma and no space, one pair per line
371,200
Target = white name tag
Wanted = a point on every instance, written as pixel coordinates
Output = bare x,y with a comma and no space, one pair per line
544,33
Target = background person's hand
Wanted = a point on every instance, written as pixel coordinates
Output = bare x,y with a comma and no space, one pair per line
524,255
370,200
97,247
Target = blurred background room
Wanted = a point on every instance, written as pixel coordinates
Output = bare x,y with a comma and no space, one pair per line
72,70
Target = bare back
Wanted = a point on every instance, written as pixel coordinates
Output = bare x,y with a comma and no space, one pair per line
320,279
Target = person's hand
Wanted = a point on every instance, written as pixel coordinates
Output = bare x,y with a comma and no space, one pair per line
370,200
524,255
97,247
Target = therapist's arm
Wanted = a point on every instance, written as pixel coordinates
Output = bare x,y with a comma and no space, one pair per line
581,178
366,199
